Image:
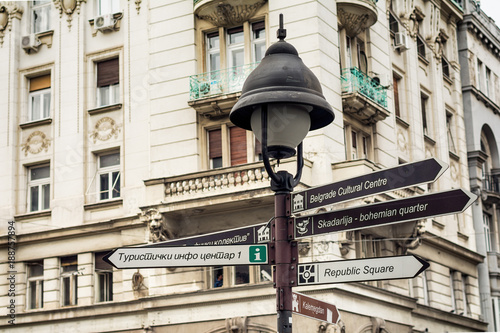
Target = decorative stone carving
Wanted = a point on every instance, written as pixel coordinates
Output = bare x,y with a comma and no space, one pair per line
226,14
104,129
402,141
35,143
158,230
237,325
68,7
138,6
8,11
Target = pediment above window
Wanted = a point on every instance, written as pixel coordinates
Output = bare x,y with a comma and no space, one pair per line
224,13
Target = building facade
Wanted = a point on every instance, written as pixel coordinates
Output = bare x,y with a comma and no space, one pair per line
116,133
479,39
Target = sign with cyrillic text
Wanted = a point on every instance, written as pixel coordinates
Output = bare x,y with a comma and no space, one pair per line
388,212
314,308
255,234
188,256
373,183
356,270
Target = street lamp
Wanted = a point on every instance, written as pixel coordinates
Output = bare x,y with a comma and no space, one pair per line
281,102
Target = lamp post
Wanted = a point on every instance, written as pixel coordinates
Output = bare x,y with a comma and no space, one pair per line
281,102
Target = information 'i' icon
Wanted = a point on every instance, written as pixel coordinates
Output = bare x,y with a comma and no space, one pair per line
258,253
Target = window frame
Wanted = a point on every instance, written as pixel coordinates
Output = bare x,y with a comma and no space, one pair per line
230,273
38,281
110,171
111,91
114,7
44,8
103,273
359,143
424,112
44,90
38,183
451,131
252,151
69,297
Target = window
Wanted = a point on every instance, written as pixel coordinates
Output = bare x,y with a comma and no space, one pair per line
421,47
393,24
38,188
69,280
445,65
397,106
487,231
367,246
39,97
108,82
423,108
108,7
359,145
488,82
453,290
41,15
35,285
230,276
235,49
104,279
229,146
480,74
450,127
109,176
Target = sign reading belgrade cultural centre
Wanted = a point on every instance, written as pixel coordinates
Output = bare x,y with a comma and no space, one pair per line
188,256
388,212
373,183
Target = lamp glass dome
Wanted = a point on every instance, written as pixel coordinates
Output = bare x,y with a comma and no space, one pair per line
287,125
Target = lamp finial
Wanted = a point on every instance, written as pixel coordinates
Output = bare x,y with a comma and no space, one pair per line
281,33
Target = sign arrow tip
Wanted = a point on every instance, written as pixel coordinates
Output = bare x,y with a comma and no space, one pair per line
424,263
472,197
106,258
443,167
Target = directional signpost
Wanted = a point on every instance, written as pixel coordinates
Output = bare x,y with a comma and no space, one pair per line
372,269
388,212
405,175
188,256
248,245
313,308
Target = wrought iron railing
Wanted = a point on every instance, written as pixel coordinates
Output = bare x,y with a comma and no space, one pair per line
353,80
219,82
491,183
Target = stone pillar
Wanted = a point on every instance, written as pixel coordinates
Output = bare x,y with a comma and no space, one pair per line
86,278
52,282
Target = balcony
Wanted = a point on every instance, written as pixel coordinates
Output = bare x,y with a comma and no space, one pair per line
363,97
213,92
226,13
356,15
491,188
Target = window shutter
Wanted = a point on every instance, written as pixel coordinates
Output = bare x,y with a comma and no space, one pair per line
238,145
108,72
214,144
258,26
40,82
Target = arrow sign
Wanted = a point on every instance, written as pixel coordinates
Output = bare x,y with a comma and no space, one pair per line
314,308
376,182
395,211
372,269
188,256
258,233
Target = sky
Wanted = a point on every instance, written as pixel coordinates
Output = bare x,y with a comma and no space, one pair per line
492,9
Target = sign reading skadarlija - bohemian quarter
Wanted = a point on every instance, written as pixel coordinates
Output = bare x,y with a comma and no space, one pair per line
388,212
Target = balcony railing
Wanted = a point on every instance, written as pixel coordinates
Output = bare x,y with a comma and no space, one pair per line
353,80
219,82
491,183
